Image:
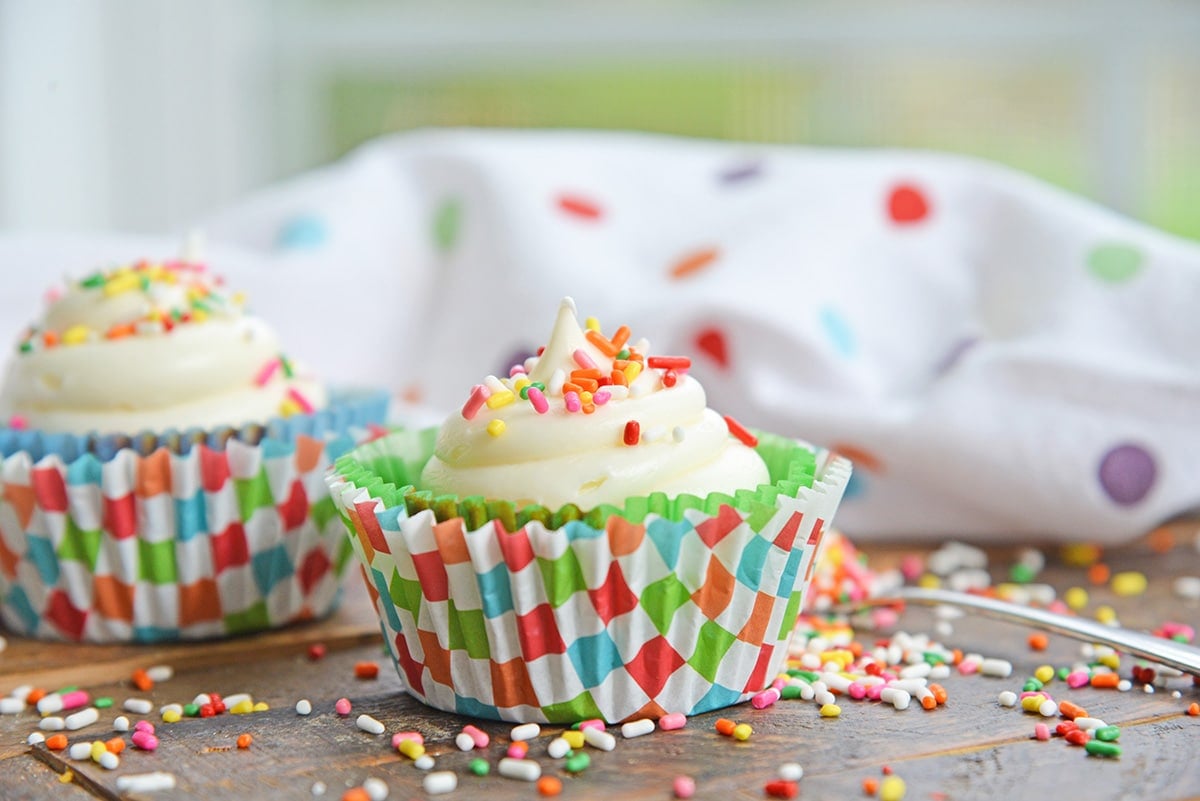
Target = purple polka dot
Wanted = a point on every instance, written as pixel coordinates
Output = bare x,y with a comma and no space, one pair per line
739,173
1127,473
955,354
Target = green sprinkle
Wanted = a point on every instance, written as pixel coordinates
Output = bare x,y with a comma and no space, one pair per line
790,692
145,283
807,675
93,281
479,766
102,703
1022,573
1101,748
623,353
525,392
1063,672
286,364
191,710
26,346
1107,733
1032,686
70,689
577,763
176,315
933,658
200,305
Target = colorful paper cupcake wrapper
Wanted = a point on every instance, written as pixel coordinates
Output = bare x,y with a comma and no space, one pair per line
616,617
183,541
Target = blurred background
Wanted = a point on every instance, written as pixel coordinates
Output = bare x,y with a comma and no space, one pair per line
142,116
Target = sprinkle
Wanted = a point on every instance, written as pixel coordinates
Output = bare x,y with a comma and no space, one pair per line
735,428
18,423
478,397
523,769
146,782
599,738
672,721
479,766
637,728
369,724
481,738
833,710
669,379
56,742
572,402
591,324
411,749
268,370
401,736
366,670
633,431
549,786
725,726
892,789
577,762
82,718
142,680
683,787
1101,748
742,731
557,748
781,789
602,344
668,362
601,397
502,398
76,335
1129,583
791,771
441,782
525,731
244,741
632,370
121,723
342,706
517,750
316,651
304,707
144,740
574,738
693,262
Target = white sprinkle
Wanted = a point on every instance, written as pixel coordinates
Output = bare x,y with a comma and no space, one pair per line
653,434
50,703
1148,689
909,685
968,579
304,707
896,697
599,738
376,789
791,772
678,433
943,628
35,738
558,748
618,391
369,724
22,692
121,723
494,384
233,700
109,761
84,717
202,699
423,762
146,782
80,751
554,385
138,706
823,697
52,724
1048,709
318,788
835,681
1087,724
1187,587
999,668
919,670
940,672
636,728
442,781
524,769
1007,698
464,741
3,645
160,672
12,706
526,731
176,708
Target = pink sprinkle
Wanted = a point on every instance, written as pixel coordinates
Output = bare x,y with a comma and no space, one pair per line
517,751
594,723
342,706
673,721
401,736
1042,693
911,567
874,690
601,397
1078,679
1041,731
765,699
779,683
75,699
540,404
144,725
479,737
856,691
18,422
144,740
301,401
268,370
571,399
968,666
885,618
684,787
583,360
479,396
516,370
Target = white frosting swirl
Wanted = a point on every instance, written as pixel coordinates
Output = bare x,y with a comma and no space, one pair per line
570,457
205,369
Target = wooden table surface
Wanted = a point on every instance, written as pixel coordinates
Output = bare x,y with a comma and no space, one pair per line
972,748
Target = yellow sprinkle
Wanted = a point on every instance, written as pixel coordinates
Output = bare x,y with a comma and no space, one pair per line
501,398
585,397
289,407
239,298
830,710
592,324
1110,661
1076,598
892,789
1031,703
1127,583
1044,674
199,315
574,739
496,427
411,749
261,706
1080,554
242,707
742,732
171,716
66,776
121,283
1106,614
929,581
632,370
98,748
520,383
75,335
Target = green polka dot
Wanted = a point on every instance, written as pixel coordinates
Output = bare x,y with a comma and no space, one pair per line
1114,262
447,224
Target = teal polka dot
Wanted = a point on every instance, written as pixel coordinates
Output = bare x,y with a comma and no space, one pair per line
1114,262
302,232
840,335
447,224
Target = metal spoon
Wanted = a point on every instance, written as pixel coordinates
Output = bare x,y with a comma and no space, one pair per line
1156,649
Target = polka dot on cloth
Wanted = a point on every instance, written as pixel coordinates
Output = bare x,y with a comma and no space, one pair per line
711,342
740,173
1127,473
447,224
907,204
955,354
579,207
1114,262
838,331
302,232
693,262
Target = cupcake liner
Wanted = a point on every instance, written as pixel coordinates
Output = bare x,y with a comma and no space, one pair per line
175,535
534,615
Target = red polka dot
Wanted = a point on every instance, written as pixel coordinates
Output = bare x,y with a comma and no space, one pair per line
580,207
711,342
907,204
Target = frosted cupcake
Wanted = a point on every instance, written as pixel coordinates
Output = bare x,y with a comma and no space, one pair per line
587,539
162,465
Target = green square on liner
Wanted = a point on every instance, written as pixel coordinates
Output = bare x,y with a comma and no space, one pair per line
406,593
468,633
80,545
156,562
790,613
345,551
711,646
581,707
254,618
253,494
662,599
563,577
322,512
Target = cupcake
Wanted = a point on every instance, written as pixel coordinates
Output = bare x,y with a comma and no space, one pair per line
586,539
163,465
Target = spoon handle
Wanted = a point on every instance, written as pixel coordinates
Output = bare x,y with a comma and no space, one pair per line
1157,649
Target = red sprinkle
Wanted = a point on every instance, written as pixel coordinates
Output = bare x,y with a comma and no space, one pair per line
668,362
366,670
633,432
1077,737
244,740
735,428
781,789
479,396
669,378
579,207
316,651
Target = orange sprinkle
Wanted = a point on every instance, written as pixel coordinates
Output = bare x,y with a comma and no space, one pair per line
619,379
694,262
1105,680
35,695
571,387
1161,540
725,726
939,693
1038,641
49,339
1193,710
584,384
549,785
929,702
1099,573
142,680
586,372
121,330
115,746
870,785
620,337
602,344
356,794
956,656
56,742
244,740
588,408
366,670
1071,711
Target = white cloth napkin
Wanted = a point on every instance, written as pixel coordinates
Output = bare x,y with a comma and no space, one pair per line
1000,359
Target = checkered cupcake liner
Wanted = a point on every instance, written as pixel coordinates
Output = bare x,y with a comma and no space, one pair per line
175,536
535,616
